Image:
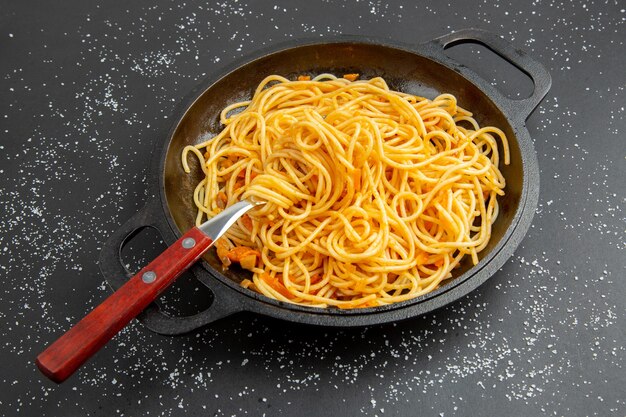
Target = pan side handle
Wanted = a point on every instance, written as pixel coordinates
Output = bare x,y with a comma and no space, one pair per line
116,275
534,69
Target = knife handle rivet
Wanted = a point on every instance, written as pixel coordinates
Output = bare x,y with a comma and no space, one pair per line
189,243
148,277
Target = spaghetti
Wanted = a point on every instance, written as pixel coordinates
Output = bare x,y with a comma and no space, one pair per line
373,196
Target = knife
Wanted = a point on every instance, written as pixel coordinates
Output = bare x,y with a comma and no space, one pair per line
63,357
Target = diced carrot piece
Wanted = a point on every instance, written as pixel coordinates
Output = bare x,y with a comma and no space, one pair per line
222,251
239,184
304,78
351,77
247,221
248,262
239,252
439,262
221,200
276,284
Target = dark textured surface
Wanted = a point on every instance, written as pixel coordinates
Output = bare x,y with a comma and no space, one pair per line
86,91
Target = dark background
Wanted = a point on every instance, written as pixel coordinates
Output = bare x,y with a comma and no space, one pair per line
86,91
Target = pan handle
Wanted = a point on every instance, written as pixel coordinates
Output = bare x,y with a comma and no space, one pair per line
534,69
153,317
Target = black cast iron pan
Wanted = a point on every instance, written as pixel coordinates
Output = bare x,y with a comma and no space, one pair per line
422,70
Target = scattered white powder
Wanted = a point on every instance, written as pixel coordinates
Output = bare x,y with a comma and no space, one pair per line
76,164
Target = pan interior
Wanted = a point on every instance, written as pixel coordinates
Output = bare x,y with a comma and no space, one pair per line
403,70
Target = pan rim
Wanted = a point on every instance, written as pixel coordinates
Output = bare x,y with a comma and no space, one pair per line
466,282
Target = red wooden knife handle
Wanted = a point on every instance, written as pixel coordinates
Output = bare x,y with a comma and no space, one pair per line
78,344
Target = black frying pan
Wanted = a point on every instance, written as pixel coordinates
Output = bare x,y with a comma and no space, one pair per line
421,70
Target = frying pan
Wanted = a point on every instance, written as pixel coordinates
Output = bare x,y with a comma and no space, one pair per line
421,70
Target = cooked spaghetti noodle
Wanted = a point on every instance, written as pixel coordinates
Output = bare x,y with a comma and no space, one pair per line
373,196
